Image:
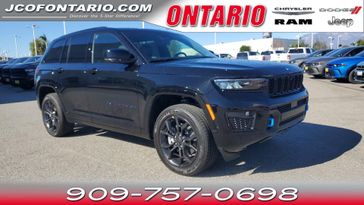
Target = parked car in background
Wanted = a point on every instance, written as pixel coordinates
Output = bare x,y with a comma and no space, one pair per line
23,74
250,55
343,68
316,66
225,55
277,56
5,74
301,60
293,53
359,73
3,65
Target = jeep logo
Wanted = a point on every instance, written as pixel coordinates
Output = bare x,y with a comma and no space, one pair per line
293,22
339,22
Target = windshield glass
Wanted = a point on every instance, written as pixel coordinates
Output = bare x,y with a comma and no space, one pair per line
339,52
159,45
32,59
20,60
361,54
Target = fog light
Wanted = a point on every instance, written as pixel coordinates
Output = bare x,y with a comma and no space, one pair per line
271,122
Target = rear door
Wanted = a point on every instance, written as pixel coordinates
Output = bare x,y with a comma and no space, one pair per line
113,88
72,76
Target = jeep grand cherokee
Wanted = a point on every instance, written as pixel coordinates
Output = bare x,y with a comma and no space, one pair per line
165,87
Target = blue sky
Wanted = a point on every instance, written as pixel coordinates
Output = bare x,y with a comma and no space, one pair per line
54,29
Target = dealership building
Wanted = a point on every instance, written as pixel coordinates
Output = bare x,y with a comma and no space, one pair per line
259,45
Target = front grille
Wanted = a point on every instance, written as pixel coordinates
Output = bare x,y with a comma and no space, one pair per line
18,72
287,107
291,119
285,85
244,121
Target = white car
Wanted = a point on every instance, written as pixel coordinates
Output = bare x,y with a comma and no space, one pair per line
272,55
293,53
250,55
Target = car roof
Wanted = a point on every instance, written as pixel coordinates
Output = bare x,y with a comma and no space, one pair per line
110,29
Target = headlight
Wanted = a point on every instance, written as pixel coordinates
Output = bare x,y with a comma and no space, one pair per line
241,84
339,65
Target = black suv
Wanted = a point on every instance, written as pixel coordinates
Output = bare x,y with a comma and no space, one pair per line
165,87
23,74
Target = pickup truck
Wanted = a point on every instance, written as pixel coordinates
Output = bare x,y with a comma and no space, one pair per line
250,55
294,53
272,55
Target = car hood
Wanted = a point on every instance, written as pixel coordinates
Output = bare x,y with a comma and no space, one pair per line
226,67
348,60
320,59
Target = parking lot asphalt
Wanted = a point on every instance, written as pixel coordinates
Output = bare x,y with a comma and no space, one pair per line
326,147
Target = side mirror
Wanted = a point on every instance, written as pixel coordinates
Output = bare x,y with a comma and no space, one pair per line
119,55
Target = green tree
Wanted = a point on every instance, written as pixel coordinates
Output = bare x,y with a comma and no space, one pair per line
360,42
302,44
244,48
41,42
318,45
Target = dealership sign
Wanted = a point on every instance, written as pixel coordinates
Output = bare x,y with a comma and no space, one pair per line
201,15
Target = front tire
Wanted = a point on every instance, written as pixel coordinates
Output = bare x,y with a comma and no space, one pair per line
183,140
53,116
351,76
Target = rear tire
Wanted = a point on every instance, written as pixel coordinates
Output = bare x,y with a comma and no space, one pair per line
53,116
183,140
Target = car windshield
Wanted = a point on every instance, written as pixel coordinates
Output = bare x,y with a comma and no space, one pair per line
253,53
361,54
33,59
339,53
280,52
164,46
20,60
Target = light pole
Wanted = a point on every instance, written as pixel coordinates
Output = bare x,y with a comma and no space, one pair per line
64,28
298,40
338,41
35,43
16,45
331,39
215,37
143,26
312,40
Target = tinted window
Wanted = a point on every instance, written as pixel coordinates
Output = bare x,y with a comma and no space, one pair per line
308,50
102,42
267,52
253,53
361,54
54,54
160,45
300,50
78,48
355,51
280,52
33,59
242,55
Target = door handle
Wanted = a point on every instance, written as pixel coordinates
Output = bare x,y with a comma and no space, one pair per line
94,71
60,70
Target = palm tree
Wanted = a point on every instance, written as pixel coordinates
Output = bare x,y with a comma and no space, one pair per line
42,43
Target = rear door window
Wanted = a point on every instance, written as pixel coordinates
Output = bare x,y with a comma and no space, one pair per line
79,50
355,51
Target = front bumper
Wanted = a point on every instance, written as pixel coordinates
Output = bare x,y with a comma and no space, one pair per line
22,80
333,73
237,126
359,75
317,70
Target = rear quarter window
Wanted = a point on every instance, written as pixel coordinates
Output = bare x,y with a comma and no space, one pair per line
54,53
